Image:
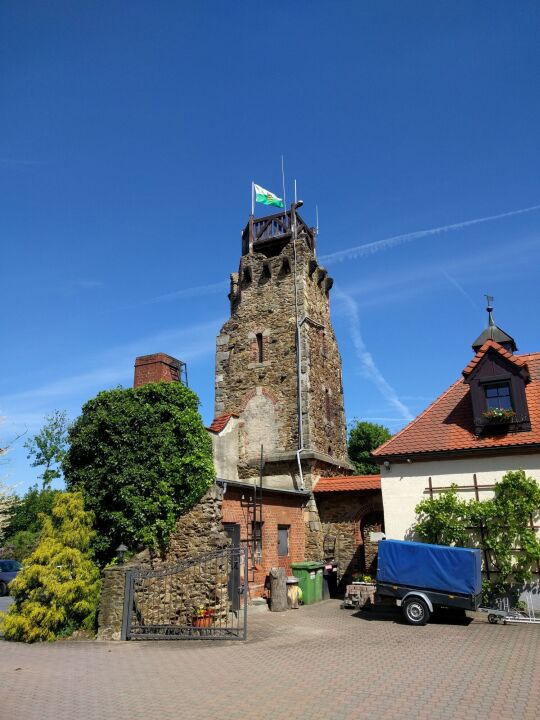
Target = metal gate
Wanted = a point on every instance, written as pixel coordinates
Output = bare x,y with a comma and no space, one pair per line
198,599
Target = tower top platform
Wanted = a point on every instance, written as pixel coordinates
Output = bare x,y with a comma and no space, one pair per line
270,234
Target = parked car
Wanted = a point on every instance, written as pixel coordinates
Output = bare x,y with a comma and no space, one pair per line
8,571
421,577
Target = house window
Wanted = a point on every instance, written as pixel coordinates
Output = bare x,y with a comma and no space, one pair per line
260,347
283,540
498,396
257,541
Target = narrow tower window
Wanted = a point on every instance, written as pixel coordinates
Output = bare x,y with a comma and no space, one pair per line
327,405
260,347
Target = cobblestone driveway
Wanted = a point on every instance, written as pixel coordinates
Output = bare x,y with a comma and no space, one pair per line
317,662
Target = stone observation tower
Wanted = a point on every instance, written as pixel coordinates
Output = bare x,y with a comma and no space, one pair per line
278,368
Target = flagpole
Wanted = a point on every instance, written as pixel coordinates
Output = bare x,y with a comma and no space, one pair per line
283,184
252,197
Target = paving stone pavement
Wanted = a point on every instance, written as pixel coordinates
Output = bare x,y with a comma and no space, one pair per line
316,662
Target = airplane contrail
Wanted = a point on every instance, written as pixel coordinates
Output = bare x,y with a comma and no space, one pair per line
347,254
369,367
374,247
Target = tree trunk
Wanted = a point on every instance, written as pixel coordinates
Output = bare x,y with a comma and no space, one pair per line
278,589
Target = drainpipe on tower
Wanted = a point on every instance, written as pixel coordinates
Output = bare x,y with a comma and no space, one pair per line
294,207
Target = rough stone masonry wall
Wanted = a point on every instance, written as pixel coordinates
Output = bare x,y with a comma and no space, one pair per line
325,408
198,532
313,471
264,393
341,516
261,304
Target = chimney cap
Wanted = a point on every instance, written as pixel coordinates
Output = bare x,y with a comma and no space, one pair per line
157,358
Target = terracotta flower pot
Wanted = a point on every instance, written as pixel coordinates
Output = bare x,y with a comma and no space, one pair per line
203,621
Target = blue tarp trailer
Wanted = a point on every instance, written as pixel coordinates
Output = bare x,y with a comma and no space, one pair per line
421,577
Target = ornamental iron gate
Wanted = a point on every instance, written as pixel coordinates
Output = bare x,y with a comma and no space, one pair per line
198,599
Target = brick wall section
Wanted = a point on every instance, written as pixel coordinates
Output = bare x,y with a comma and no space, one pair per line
341,515
277,510
156,368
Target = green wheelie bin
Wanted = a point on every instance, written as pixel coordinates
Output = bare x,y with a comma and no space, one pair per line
310,579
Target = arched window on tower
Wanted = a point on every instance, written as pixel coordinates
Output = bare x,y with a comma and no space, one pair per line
260,347
246,276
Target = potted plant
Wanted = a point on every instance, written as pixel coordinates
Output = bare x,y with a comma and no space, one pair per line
359,579
203,617
498,415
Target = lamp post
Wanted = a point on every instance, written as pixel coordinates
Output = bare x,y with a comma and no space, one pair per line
121,550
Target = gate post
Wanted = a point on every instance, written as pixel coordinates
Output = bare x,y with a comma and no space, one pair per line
245,592
111,603
128,602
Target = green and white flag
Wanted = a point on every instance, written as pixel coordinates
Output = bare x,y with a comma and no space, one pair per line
266,197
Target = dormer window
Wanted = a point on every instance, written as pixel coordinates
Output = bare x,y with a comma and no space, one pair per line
498,396
497,381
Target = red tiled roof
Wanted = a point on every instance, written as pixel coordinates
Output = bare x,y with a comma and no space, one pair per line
350,482
492,345
447,424
218,423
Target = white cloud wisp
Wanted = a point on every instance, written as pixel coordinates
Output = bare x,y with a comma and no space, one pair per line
371,248
369,368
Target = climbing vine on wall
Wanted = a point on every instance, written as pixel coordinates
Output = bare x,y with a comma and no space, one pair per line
501,526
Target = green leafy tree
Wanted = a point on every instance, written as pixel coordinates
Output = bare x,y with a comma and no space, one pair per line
141,457
512,543
8,498
508,538
364,437
57,590
23,526
444,519
48,447
8,501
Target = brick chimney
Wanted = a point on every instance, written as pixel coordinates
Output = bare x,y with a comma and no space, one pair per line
155,368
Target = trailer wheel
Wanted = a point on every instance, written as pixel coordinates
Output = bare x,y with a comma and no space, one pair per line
493,619
416,611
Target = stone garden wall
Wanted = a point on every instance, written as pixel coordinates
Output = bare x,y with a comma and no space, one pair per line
176,598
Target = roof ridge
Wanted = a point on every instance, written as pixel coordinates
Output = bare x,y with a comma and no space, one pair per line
418,417
220,421
498,348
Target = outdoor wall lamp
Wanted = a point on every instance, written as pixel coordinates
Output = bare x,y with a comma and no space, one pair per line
386,465
121,550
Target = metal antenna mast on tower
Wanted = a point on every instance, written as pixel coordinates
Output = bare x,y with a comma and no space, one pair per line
283,183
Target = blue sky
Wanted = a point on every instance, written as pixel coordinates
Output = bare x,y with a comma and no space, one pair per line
129,136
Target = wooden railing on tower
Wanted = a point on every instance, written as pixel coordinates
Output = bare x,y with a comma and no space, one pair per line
265,230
